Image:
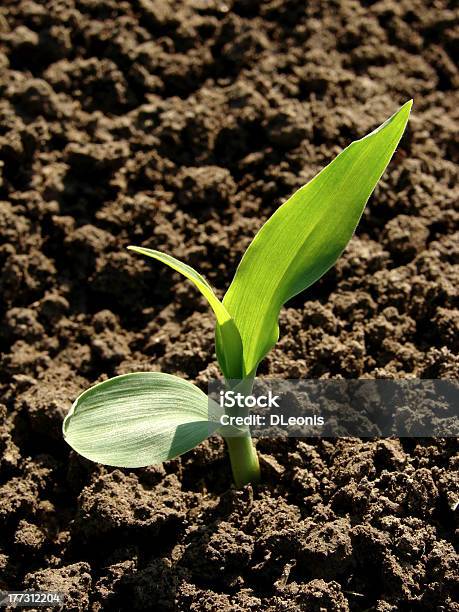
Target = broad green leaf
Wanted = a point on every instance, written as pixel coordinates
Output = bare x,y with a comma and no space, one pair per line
138,419
305,236
227,334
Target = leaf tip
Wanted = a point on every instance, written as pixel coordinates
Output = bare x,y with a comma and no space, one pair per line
402,116
404,112
407,106
135,249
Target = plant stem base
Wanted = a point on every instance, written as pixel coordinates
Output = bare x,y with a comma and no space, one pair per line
244,460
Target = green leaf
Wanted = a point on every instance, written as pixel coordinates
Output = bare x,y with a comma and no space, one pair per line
227,334
139,419
305,237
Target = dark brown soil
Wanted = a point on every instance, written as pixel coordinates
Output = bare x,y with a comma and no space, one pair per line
182,125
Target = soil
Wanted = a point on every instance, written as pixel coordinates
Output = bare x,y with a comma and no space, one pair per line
182,125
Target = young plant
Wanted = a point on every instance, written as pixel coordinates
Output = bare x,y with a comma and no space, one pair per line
146,418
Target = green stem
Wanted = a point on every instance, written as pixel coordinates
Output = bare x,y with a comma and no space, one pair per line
243,456
244,460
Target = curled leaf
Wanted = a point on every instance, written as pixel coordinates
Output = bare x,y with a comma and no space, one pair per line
138,419
227,334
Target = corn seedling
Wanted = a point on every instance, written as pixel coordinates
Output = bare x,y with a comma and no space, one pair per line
146,418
